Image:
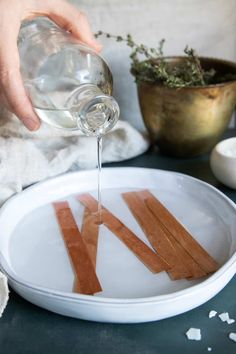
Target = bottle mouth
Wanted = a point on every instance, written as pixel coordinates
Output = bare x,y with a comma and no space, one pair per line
98,115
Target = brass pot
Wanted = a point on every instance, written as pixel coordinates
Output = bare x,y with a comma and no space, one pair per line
189,121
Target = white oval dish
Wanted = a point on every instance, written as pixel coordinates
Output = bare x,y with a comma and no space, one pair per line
223,162
34,258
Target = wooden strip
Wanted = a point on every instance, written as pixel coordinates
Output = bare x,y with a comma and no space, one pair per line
193,270
178,231
152,261
89,233
161,240
88,282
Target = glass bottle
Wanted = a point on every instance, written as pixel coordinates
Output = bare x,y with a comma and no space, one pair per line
69,85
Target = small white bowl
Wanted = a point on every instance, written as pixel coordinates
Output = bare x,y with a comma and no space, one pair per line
223,162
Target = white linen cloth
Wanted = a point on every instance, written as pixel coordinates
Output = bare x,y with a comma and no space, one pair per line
4,293
27,157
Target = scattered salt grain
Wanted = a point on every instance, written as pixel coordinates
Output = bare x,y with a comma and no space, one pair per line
224,316
232,336
212,313
194,334
209,349
230,320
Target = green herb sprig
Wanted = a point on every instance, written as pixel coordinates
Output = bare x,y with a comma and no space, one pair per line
150,65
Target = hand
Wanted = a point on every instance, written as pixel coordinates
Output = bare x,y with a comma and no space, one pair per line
12,12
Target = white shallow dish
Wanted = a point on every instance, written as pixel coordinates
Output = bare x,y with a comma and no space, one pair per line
35,260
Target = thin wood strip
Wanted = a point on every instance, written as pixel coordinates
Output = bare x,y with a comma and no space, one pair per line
147,256
88,282
178,231
195,271
161,240
89,233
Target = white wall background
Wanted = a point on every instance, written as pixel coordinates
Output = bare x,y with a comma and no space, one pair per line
209,26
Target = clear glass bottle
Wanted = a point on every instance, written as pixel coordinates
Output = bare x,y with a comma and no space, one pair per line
69,85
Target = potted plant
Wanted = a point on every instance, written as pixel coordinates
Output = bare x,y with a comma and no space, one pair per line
186,101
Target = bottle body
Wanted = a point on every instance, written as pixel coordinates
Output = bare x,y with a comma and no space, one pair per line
67,82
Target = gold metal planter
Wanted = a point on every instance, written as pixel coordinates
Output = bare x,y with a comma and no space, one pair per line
188,121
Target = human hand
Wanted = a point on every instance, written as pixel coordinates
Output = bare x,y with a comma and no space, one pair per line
12,12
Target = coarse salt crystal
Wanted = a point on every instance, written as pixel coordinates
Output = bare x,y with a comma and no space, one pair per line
194,334
231,320
224,316
232,336
212,313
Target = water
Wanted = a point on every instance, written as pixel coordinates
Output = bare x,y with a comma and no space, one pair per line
71,107
63,119
49,96
52,97
95,122
99,166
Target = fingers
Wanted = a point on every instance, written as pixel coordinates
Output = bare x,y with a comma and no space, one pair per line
11,84
74,21
17,100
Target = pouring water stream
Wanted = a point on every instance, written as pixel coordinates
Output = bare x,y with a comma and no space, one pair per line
99,166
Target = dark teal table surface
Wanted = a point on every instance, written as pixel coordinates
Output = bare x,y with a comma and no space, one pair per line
25,328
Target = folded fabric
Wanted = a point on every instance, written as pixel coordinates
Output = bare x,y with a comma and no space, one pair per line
4,292
27,157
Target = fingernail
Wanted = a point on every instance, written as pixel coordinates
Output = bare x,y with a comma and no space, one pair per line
98,46
31,124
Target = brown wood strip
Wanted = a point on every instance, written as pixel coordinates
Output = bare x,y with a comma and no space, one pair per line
178,231
161,240
147,256
195,271
192,268
88,282
89,233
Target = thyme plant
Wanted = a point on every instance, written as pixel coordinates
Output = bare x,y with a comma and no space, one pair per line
150,65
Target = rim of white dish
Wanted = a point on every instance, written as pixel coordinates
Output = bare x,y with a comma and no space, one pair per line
14,278
223,144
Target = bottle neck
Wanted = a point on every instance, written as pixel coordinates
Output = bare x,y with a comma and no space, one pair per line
95,112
